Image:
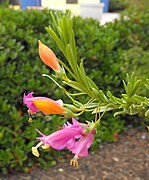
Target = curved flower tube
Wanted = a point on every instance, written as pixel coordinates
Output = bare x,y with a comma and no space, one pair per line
43,104
58,140
80,149
48,57
71,137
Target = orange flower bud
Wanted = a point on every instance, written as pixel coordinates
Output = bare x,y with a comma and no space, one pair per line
48,56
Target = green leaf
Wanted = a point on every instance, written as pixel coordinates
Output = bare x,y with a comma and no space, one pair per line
103,96
114,99
75,85
136,86
147,83
147,113
56,39
90,105
92,84
101,108
83,76
119,113
71,59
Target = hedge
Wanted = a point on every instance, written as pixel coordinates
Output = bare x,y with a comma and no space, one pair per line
108,52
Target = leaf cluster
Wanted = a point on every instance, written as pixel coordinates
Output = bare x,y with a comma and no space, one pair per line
130,103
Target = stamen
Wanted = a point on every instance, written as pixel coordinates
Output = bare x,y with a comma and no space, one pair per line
35,150
30,119
74,161
39,144
30,112
45,146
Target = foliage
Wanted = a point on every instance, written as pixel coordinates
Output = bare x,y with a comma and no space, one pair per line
4,3
117,5
130,102
142,5
20,71
108,46
104,50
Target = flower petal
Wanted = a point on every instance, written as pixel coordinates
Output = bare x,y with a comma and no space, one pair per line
29,103
71,143
48,106
81,147
58,140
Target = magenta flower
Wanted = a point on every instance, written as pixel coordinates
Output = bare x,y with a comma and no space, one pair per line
58,140
80,149
27,100
73,136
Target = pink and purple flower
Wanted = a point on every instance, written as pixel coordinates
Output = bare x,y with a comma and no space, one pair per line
71,137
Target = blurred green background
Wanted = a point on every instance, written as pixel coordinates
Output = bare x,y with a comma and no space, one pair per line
109,52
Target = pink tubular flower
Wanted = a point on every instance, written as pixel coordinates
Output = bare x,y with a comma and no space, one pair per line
29,103
46,105
80,149
72,137
58,140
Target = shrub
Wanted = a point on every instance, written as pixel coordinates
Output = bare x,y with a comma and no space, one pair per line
117,5
107,51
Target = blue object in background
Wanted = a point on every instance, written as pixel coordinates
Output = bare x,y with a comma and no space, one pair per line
25,3
106,5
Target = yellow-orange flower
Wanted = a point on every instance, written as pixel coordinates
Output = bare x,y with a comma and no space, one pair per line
49,106
43,104
48,56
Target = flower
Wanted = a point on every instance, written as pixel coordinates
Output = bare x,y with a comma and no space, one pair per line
29,103
72,137
48,56
58,140
80,149
46,105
